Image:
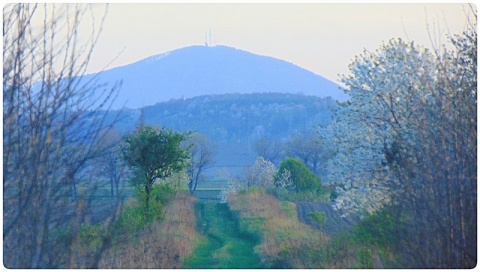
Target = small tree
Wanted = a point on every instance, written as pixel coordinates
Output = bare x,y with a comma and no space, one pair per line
301,176
153,154
202,153
261,173
269,149
283,180
111,164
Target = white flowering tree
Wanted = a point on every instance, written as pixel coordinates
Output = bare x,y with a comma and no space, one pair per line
284,180
261,173
233,186
406,138
383,89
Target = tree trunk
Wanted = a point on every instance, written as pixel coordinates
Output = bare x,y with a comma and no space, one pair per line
148,190
112,180
190,186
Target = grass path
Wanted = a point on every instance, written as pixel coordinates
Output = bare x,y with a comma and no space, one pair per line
224,245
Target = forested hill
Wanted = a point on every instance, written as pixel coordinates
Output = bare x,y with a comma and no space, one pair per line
234,122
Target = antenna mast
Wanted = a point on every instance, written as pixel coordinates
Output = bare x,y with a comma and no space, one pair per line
208,38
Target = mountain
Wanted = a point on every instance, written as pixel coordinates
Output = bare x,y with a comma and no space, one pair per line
202,70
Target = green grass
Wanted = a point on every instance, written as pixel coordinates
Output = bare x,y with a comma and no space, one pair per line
225,245
212,184
104,191
207,194
293,196
289,208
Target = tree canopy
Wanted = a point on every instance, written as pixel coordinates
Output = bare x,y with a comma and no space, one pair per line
303,179
154,154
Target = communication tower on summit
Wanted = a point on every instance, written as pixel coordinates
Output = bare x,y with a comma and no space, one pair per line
208,38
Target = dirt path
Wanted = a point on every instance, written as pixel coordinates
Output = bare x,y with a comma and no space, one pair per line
334,223
225,246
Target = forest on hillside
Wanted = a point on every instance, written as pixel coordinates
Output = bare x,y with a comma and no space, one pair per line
387,179
237,124
234,117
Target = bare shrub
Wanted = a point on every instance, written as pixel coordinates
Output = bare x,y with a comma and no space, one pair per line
50,131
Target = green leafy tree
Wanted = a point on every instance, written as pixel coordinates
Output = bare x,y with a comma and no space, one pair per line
307,147
303,179
153,154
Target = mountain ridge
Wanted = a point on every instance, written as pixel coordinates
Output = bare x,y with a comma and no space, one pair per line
203,70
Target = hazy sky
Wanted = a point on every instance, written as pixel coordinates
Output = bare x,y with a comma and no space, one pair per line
322,38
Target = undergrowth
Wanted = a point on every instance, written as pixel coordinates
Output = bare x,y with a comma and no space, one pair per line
289,195
370,244
161,244
288,243
277,224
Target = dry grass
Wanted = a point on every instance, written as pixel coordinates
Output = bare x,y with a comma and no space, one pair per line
161,245
278,225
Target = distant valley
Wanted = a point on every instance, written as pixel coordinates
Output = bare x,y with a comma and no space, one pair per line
234,122
233,97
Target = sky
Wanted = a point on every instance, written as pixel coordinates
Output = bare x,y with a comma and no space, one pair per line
322,38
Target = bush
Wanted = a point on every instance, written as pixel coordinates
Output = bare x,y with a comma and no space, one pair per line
378,229
163,193
302,178
90,236
289,195
319,217
365,259
135,217
254,190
